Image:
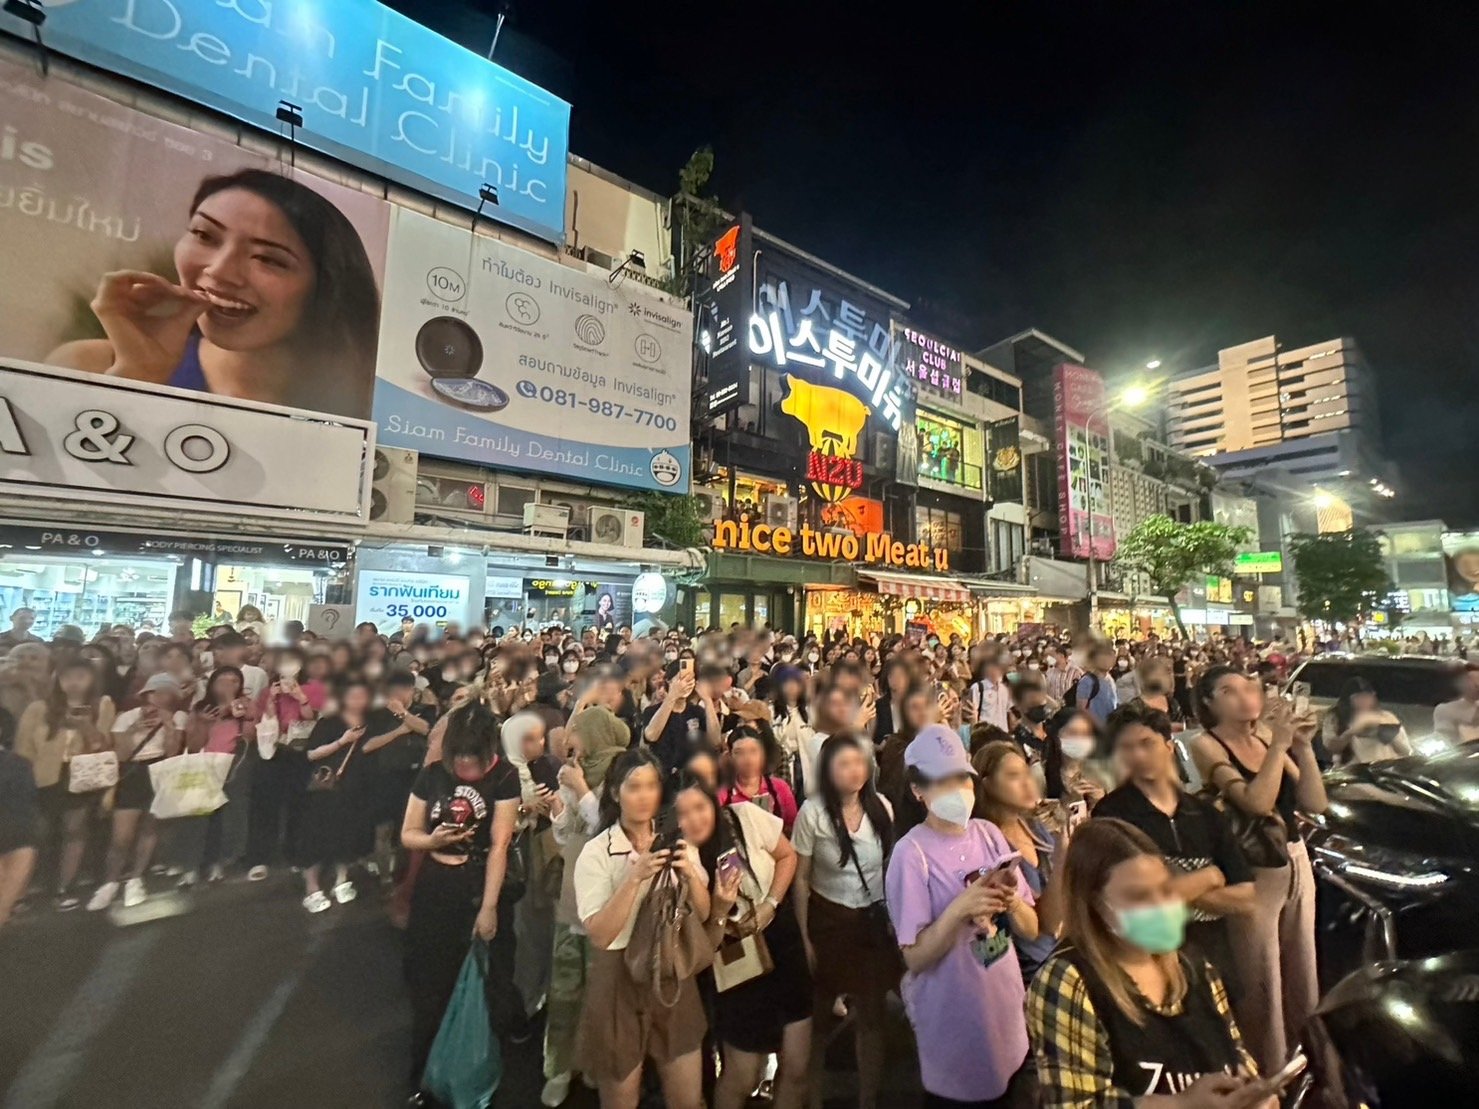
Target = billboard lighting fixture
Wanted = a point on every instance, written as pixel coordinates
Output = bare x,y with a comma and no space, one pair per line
30,11
636,260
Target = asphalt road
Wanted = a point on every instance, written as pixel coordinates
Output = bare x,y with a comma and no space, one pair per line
237,997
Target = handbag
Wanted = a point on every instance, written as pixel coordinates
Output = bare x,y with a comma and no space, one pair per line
189,784
1264,839
669,944
92,773
325,779
741,959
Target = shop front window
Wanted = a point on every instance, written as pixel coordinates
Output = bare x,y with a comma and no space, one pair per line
939,528
702,606
280,593
944,450
733,609
762,610
88,593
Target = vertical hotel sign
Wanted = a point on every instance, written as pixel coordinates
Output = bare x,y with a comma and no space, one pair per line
1085,525
375,89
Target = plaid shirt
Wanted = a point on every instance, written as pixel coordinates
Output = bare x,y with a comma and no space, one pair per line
1074,1064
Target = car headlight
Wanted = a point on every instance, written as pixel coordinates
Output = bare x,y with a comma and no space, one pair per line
1381,868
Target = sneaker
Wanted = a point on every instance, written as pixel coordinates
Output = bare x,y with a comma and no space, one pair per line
556,1090
188,879
102,897
217,873
316,902
257,873
65,902
134,892
345,892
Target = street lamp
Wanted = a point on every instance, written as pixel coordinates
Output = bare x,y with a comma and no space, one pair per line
1153,364
1131,397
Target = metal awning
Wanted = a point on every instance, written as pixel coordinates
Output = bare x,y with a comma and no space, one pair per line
906,585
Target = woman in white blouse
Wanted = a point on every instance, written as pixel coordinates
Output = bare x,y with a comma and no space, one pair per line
843,836
621,1025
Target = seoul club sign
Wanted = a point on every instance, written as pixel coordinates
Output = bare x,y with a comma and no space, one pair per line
876,549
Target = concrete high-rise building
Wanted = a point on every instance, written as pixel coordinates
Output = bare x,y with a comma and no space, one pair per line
1308,411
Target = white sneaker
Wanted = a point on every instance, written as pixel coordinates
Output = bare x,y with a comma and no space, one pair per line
134,892
556,1090
188,879
316,902
217,873
102,897
345,892
257,873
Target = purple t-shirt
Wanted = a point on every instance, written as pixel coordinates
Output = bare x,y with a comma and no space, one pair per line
967,1009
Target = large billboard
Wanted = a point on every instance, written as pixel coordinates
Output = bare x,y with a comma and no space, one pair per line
150,253
492,355
1080,410
1461,554
1004,460
374,89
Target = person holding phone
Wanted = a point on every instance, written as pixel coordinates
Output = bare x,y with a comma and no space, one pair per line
461,812
686,717
223,721
295,700
333,833
1359,730
752,750
956,897
1120,1014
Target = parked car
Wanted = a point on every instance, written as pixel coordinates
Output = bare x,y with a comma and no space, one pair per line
1409,686
1397,857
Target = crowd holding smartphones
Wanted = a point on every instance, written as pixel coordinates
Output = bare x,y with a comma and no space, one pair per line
693,860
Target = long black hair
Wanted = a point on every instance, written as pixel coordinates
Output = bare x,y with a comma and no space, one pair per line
341,320
626,764
208,694
472,730
1205,687
1343,711
760,732
723,838
873,807
1053,751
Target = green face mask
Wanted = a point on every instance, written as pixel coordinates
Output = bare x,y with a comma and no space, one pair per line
1159,929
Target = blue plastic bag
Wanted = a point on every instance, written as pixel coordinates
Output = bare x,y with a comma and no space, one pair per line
465,1064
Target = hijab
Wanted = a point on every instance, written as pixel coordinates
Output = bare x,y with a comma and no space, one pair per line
515,730
603,736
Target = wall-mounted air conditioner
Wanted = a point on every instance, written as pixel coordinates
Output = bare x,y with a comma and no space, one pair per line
393,485
546,519
781,512
616,527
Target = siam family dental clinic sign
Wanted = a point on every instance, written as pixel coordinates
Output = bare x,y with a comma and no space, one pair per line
375,89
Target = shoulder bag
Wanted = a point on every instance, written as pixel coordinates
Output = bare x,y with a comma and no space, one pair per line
669,944
326,779
99,770
1264,839
880,924
743,954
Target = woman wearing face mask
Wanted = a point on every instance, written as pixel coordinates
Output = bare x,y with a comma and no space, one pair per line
843,839
918,710
770,1014
621,1025
790,720
1259,757
74,719
1071,769
461,812
956,899
524,747
222,721
1007,797
278,793
1118,1014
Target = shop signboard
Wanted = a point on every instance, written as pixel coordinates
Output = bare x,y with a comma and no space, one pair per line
1461,557
77,436
806,542
102,203
932,364
61,538
492,355
1082,423
331,621
819,329
386,597
1004,460
859,515
723,307
374,89
1259,562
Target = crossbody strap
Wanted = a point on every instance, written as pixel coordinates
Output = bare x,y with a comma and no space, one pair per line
144,742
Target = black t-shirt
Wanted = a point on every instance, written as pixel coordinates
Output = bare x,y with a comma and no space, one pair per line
449,800
406,752
329,729
685,732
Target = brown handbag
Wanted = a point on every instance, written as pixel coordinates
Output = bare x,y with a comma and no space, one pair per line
326,779
669,944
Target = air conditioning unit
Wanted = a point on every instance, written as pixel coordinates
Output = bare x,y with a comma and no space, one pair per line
598,258
546,519
885,444
710,506
393,485
617,527
781,512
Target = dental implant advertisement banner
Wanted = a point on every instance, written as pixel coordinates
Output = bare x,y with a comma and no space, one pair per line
493,355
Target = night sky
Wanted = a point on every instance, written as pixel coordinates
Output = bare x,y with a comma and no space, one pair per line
1137,179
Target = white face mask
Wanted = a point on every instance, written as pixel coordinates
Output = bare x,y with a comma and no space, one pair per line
1076,747
570,667
377,701
812,658
290,669
670,656
954,806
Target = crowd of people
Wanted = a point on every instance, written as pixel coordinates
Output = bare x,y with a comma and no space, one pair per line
695,859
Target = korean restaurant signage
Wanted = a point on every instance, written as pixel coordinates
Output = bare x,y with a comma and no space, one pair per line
1081,416
821,329
61,538
87,437
374,88
930,363
722,307
832,469
877,549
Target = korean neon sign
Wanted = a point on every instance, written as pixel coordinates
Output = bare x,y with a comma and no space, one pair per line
834,469
837,354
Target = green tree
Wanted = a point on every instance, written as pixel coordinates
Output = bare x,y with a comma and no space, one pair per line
1172,554
670,517
1342,575
698,216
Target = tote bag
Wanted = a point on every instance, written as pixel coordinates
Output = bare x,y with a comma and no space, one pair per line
91,773
189,785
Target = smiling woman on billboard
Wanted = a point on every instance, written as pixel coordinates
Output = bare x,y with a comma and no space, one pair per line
276,301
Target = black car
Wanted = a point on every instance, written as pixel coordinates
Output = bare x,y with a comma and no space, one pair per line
1397,856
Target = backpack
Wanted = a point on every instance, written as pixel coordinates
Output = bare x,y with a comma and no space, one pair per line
1070,695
